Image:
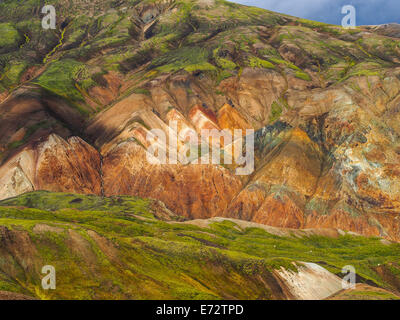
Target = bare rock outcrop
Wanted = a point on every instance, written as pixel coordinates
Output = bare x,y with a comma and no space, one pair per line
52,164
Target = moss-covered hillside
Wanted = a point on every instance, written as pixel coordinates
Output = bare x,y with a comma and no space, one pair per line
144,39
114,248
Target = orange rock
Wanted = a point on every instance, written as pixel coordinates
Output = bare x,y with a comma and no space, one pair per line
203,119
68,166
229,118
193,191
52,164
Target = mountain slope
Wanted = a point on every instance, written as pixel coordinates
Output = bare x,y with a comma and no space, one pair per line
132,248
323,101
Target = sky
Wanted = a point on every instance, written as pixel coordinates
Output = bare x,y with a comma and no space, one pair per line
368,12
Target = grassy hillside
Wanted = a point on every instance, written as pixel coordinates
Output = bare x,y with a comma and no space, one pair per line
323,100
115,248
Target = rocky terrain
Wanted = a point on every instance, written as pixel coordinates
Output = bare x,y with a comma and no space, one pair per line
77,102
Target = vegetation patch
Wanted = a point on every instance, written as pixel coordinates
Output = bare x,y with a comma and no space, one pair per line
276,111
189,59
9,36
302,75
166,259
255,62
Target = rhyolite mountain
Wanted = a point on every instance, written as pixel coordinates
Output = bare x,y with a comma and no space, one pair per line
76,104
78,192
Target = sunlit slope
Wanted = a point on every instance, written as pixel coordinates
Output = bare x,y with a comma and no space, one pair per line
131,248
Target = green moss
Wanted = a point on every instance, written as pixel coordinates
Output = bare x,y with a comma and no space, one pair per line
226,64
326,28
276,111
142,91
222,75
285,63
55,201
9,36
302,75
60,43
223,63
13,72
269,52
200,67
311,23
364,69
372,295
255,62
59,79
190,59
165,259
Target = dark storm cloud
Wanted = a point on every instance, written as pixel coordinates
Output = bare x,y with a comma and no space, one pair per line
368,11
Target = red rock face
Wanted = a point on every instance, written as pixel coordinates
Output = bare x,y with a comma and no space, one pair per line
203,119
53,164
230,119
280,212
335,163
193,191
303,178
68,166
